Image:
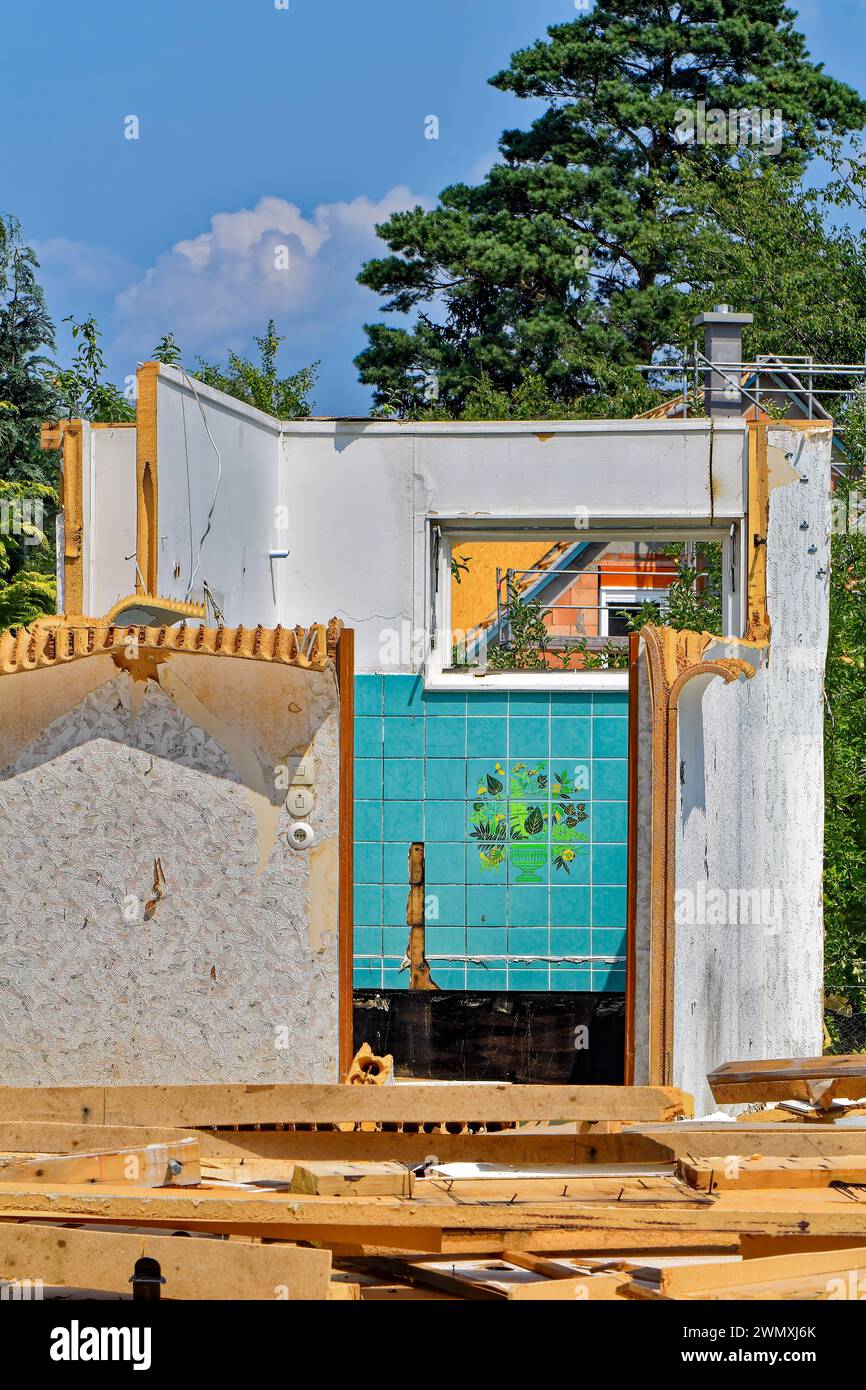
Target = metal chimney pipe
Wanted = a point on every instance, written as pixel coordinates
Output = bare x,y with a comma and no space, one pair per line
723,346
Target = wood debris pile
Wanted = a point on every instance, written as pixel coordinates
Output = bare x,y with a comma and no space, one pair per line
438,1191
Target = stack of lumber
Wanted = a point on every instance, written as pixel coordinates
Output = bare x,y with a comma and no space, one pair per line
415,1191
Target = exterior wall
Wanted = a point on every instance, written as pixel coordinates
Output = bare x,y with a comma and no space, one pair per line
221,964
109,518
422,764
750,816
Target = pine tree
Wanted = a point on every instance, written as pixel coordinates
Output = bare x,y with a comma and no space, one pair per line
565,256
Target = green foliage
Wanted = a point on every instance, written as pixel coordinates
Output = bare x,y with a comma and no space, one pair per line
845,749
81,388
258,384
527,636
27,396
575,250
693,602
27,472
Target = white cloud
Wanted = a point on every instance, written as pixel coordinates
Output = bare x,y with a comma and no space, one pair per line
216,288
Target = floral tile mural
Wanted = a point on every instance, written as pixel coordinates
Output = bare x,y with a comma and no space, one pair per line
538,820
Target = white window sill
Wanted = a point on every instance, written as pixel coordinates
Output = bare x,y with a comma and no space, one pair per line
531,680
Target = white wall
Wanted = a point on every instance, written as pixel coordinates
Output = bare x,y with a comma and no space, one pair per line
108,485
751,809
212,447
359,495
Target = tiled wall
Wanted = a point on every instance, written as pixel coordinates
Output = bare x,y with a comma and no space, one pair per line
521,802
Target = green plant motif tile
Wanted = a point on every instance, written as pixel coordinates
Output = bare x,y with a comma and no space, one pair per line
528,828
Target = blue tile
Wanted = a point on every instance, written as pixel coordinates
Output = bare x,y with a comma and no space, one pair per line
569,907
446,738
368,820
610,702
571,740
367,941
609,864
486,941
451,977
488,738
610,780
609,738
447,702
368,778
368,695
368,738
531,702
395,978
404,821
608,941
446,906
570,941
404,694
446,779
394,905
528,978
485,907
494,980
368,907
481,871
610,821
533,874
608,978
395,863
565,978
566,871
368,863
477,772
527,907
570,702
395,940
404,737
608,907
486,702
445,863
445,941
404,779
367,976
528,941
446,820
529,738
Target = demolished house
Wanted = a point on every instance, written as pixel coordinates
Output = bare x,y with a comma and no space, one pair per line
254,720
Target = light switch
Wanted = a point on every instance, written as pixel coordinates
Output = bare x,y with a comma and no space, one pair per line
302,772
300,802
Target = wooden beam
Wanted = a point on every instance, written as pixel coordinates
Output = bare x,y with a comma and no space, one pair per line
194,1106
154,1165
815,1079
730,1173
198,1268
336,1179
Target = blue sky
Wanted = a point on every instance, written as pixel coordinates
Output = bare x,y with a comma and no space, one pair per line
259,127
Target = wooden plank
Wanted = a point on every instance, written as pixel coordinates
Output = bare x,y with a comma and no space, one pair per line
728,1173
677,1280
819,1212
335,1179
153,1165
790,1140
287,1146
815,1079
198,1268
197,1106
587,1287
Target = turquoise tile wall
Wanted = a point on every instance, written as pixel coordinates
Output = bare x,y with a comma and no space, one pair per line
521,800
